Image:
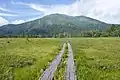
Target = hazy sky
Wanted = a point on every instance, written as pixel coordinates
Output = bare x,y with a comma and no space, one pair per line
19,11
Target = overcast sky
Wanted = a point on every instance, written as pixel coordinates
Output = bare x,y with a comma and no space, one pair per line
20,11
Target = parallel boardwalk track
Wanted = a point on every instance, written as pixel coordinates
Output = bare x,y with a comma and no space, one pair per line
70,68
49,72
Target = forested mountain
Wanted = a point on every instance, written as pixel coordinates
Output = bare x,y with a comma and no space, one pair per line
54,25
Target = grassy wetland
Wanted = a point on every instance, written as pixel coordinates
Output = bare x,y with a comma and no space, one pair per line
97,58
26,59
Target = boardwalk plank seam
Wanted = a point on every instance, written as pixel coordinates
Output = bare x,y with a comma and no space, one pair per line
70,68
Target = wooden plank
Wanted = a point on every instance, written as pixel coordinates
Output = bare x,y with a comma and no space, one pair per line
70,68
49,72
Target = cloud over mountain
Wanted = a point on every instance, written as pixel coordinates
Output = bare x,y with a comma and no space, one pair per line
103,10
3,21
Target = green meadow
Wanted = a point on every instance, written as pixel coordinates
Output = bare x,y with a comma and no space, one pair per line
97,58
26,59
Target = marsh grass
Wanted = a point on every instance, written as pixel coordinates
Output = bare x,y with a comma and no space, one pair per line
23,59
97,58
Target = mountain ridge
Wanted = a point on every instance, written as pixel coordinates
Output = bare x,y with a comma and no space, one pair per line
53,25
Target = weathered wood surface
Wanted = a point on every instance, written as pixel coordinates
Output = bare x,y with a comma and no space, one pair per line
70,68
49,72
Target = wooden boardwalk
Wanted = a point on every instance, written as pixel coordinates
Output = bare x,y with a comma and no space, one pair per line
70,68
49,72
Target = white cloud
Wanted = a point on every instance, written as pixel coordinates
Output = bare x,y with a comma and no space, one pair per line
4,9
7,14
104,10
23,21
18,21
3,21
72,9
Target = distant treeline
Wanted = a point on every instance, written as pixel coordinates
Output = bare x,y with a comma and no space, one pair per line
112,31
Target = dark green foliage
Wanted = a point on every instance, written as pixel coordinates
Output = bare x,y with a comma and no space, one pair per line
114,31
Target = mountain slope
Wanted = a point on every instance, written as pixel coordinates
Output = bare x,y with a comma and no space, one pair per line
54,24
